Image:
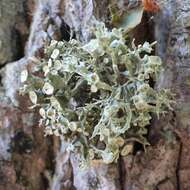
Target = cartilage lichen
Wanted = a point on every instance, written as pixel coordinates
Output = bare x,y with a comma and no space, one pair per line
97,95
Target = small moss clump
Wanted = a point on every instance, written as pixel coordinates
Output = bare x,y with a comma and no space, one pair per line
97,95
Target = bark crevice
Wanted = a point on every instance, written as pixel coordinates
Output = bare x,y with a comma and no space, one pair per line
178,168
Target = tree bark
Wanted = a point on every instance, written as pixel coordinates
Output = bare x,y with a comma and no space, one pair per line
30,161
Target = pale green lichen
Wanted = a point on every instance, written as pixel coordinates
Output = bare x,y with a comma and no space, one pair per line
97,96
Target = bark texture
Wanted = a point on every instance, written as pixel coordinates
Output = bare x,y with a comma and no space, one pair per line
30,161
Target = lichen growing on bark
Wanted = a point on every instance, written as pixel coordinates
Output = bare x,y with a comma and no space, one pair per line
97,95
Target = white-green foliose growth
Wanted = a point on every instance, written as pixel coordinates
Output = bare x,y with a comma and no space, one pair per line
97,95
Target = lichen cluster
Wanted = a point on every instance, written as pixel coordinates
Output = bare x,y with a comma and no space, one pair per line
97,95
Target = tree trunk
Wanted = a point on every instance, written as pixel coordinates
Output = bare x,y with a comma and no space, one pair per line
30,161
